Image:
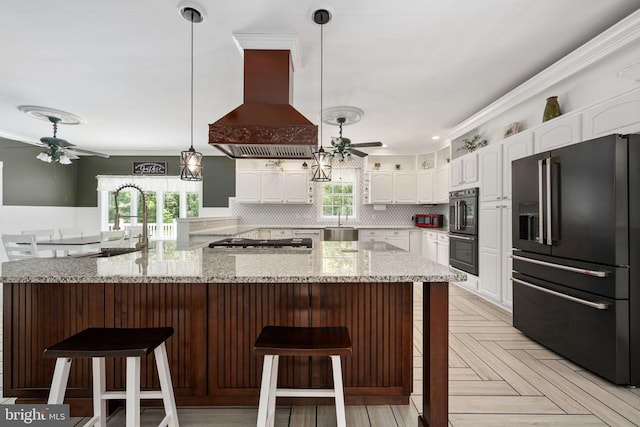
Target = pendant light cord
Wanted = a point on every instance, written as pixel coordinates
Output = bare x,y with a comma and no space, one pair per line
321,74
192,18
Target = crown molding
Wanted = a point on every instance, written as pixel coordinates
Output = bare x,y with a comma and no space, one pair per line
615,38
264,41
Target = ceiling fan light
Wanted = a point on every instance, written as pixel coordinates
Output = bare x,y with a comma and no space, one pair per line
191,165
44,157
64,160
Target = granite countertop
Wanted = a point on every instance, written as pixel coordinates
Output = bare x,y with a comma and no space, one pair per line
237,229
163,263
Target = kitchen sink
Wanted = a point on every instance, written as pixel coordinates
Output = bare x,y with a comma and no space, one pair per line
345,234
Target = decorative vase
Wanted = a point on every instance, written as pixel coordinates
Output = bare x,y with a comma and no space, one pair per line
552,109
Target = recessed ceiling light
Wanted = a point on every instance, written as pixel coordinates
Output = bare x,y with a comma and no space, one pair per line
434,137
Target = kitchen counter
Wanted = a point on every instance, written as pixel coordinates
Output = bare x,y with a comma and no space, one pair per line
326,262
217,301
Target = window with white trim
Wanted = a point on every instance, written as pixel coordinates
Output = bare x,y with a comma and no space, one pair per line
339,197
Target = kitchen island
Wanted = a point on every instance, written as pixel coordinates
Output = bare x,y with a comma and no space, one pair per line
217,300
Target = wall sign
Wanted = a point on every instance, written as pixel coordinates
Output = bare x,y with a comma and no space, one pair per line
149,168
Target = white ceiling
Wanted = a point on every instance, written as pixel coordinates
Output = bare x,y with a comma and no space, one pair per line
416,67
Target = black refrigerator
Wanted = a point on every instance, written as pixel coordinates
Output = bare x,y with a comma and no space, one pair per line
576,255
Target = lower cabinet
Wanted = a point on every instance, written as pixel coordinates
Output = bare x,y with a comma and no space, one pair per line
495,252
399,238
435,247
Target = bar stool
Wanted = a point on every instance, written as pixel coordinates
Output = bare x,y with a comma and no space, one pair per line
132,343
276,341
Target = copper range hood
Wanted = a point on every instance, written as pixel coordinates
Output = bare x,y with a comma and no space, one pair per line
265,126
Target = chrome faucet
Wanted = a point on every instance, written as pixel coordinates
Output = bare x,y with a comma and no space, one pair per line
339,216
143,239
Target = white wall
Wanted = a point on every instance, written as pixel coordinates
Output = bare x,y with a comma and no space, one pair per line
18,218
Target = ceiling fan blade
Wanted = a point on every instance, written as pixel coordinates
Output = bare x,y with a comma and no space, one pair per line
70,154
55,141
367,144
88,152
358,153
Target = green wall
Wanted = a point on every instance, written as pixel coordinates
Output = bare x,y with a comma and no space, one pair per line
31,182
28,181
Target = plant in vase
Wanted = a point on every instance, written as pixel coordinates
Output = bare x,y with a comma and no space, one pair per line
471,145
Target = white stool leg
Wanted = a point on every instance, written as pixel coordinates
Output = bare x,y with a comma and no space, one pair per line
133,392
337,386
59,381
265,387
99,388
162,362
271,411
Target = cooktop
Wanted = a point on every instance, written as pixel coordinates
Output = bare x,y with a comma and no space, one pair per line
262,243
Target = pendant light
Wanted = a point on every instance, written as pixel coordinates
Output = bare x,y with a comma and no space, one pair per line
191,160
321,166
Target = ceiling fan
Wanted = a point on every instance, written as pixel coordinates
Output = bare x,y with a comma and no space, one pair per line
58,149
343,147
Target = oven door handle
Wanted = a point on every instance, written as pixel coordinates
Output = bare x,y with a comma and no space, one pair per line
596,305
456,236
594,273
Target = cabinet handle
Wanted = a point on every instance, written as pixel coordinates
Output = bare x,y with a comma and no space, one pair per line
596,305
563,267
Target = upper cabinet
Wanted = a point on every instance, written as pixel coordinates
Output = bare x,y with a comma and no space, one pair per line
273,186
618,115
514,148
392,187
558,132
464,170
441,184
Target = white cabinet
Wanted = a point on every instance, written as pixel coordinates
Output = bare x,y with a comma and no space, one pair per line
441,185
248,186
273,186
415,242
464,170
425,186
435,247
558,132
314,234
392,187
618,115
297,187
398,238
495,166
271,190
495,251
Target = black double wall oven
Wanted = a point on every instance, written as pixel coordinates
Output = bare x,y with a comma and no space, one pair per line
576,255
463,230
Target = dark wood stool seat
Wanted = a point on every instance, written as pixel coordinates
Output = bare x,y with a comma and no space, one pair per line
276,341
302,341
110,342
131,343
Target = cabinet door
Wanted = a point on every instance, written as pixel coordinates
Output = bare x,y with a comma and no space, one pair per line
404,187
490,173
425,186
248,186
399,238
507,251
490,257
618,115
516,147
431,252
271,186
441,184
442,252
296,187
470,168
456,172
557,133
381,187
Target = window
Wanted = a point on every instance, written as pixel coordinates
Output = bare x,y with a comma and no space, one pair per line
339,197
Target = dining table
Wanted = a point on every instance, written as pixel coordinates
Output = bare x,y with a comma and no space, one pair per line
81,244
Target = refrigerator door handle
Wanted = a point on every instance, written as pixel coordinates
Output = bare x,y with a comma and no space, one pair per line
540,236
548,220
596,305
593,273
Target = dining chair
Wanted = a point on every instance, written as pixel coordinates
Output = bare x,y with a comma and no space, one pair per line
112,239
68,233
20,246
42,236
